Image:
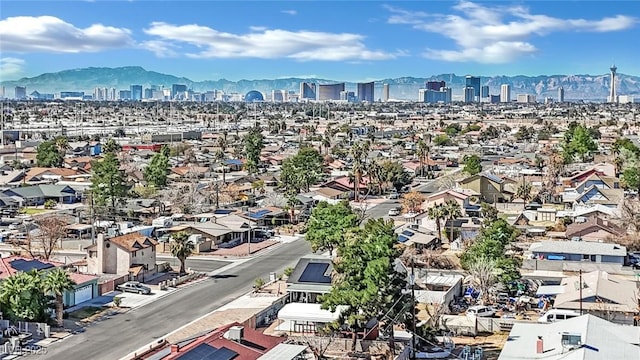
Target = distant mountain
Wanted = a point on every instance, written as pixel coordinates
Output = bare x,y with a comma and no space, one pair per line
587,87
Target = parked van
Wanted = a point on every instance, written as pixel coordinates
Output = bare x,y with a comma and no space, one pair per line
554,315
481,311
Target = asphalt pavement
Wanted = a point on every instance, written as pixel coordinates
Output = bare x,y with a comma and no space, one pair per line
199,264
120,335
381,210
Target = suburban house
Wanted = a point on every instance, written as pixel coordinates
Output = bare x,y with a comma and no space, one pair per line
330,195
132,254
207,236
232,341
594,195
594,229
305,318
416,236
445,196
599,169
490,187
85,288
38,194
310,278
611,297
578,251
38,175
585,337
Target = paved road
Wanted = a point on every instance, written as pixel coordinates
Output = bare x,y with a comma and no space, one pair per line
124,333
196,264
382,209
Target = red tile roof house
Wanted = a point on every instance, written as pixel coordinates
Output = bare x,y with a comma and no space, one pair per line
234,341
86,287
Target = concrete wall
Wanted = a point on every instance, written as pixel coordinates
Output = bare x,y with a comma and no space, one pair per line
145,257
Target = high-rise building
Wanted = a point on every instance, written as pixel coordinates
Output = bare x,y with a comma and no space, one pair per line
385,92
307,91
560,94
348,96
433,97
330,91
526,98
124,95
178,91
484,92
469,94
613,94
136,92
435,85
474,82
2,92
279,95
113,94
20,92
366,91
505,93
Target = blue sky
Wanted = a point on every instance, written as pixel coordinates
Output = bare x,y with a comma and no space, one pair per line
341,40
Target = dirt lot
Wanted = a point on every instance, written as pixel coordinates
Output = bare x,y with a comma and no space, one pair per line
491,344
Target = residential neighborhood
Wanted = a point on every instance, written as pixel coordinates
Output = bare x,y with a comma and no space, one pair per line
180,230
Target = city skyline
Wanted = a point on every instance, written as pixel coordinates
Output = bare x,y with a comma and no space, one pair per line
364,41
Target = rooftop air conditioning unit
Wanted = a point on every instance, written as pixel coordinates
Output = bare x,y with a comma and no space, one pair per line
236,333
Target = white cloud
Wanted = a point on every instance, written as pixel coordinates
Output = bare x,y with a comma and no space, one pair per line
24,34
267,43
496,34
10,68
290,12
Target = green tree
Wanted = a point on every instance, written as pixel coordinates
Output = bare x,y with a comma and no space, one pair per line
112,146
155,173
299,172
631,178
62,143
56,282
396,174
22,297
181,248
253,143
327,225
107,182
524,191
578,142
472,164
442,140
365,278
437,214
48,155
452,212
489,213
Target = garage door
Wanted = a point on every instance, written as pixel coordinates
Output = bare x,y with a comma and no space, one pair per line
83,294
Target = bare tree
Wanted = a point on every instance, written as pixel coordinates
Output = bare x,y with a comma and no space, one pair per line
630,214
48,238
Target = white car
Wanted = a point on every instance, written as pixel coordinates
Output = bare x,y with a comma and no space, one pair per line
481,311
394,212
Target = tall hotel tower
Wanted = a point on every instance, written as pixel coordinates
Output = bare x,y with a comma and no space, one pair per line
613,95
505,93
560,94
385,92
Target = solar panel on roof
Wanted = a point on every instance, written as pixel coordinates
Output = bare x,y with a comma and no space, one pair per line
407,233
315,273
28,265
223,354
200,352
402,238
223,211
257,214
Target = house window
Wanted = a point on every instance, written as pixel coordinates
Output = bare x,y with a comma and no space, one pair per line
593,258
585,257
141,253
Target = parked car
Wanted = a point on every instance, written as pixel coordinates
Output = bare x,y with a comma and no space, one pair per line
481,311
134,287
394,212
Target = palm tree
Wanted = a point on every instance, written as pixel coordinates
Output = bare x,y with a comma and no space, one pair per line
62,143
452,211
421,151
358,167
437,213
326,143
376,175
483,276
57,282
181,248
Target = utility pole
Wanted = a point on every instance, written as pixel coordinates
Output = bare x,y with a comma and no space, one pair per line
580,291
413,311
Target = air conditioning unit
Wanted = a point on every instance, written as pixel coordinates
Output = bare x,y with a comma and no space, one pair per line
236,333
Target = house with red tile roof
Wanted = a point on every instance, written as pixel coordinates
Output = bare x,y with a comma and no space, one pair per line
232,341
86,287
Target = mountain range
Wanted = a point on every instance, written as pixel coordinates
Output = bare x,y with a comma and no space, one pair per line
586,87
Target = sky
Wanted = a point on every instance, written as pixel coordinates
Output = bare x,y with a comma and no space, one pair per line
356,40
